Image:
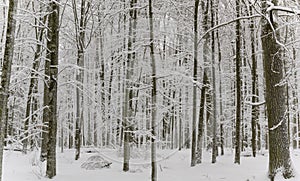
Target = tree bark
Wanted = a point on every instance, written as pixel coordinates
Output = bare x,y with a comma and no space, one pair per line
154,98
52,57
273,63
31,106
238,87
214,87
194,129
128,102
255,110
80,27
6,72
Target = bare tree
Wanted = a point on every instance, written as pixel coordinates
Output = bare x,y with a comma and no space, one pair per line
237,156
194,129
52,57
31,105
80,29
6,72
154,98
128,102
273,63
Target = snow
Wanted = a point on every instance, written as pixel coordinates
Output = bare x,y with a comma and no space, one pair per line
174,166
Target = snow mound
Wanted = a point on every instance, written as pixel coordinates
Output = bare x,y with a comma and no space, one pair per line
95,162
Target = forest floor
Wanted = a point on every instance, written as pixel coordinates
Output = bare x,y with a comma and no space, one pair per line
172,166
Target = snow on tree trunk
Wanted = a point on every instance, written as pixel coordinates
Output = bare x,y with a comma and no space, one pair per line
194,130
31,106
52,57
273,63
154,97
80,26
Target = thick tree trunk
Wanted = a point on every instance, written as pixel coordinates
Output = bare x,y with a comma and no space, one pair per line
273,63
52,56
6,72
194,129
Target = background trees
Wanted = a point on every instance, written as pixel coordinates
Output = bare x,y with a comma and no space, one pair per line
128,78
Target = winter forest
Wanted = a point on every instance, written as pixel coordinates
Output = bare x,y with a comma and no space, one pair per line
137,90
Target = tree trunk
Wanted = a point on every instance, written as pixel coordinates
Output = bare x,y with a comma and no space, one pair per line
255,110
33,85
214,87
52,56
273,63
128,102
205,85
80,27
201,118
194,129
154,98
6,72
220,84
238,87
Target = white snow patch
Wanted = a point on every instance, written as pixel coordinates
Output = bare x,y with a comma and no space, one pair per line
19,167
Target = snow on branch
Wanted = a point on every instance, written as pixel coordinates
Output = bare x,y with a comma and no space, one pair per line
279,124
227,23
272,7
247,101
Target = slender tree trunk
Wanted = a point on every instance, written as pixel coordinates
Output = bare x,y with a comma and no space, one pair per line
80,27
205,84
128,103
273,63
194,129
154,98
255,110
6,72
31,100
238,86
214,87
201,118
220,83
46,100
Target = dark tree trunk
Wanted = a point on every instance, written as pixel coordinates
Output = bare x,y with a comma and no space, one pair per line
194,129
201,118
31,106
255,110
273,63
154,98
80,27
214,87
205,81
238,86
6,72
128,103
52,56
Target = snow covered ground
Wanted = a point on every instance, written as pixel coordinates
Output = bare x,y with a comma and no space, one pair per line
173,166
